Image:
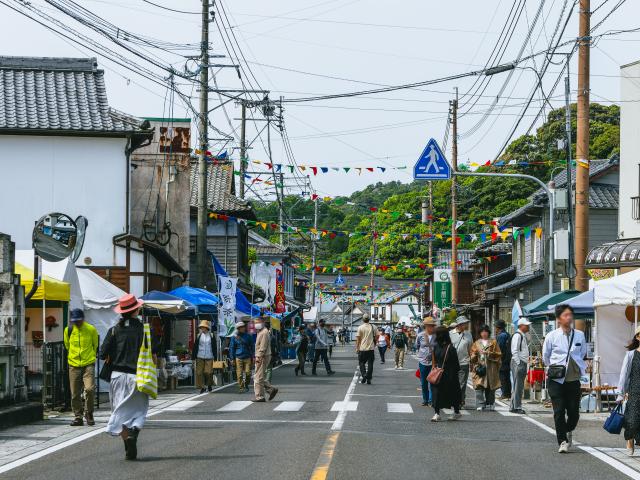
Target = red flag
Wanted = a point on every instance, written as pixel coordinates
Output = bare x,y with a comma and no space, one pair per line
269,165
458,240
332,235
373,209
488,164
314,196
494,236
315,170
370,169
274,226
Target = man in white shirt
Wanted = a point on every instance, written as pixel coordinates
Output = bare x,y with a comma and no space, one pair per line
462,340
519,361
563,353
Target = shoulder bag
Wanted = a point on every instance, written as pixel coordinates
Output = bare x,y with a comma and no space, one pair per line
436,373
107,366
559,370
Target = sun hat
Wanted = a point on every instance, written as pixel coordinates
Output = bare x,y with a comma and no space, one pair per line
205,324
76,315
461,320
128,303
240,324
429,321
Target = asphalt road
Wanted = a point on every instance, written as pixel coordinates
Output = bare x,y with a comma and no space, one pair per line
381,432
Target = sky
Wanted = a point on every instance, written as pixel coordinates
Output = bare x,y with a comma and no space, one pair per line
306,48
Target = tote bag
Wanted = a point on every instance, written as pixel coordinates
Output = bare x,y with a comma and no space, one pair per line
146,372
613,424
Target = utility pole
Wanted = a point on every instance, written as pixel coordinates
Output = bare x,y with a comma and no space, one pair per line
430,219
582,149
454,209
374,236
243,149
567,102
203,121
314,251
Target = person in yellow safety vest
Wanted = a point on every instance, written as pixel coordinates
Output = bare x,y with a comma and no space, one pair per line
81,343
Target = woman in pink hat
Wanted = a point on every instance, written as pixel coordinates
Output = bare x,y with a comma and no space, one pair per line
120,350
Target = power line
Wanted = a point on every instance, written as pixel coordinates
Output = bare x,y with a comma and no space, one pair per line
171,9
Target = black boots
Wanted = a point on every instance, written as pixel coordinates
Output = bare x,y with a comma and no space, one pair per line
131,444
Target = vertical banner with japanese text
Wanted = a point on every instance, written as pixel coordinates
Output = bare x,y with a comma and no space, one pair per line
227,309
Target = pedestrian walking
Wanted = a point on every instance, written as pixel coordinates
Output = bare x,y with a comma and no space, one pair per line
400,343
504,342
241,352
462,341
519,363
629,390
485,364
301,343
205,351
365,343
381,342
332,340
81,342
322,348
563,353
312,341
275,350
446,393
121,349
425,342
263,358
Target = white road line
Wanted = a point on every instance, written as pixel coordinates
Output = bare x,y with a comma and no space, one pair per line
232,420
345,406
399,408
289,407
339,421
388,396
618,465
235,406
183,405
539,424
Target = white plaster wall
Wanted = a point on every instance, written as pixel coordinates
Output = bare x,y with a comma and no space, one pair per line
72,175
629,149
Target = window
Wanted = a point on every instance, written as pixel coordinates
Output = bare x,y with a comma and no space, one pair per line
384,313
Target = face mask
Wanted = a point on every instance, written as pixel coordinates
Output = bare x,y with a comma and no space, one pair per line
259,326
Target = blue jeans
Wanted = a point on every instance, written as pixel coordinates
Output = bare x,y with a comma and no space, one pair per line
426,387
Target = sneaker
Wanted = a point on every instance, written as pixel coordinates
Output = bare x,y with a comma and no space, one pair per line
519,411
455,416
296,371
480,409
570,439
273,393
258,400
491,407
331,372
202,390
209,388
77,422
364,380
564,447
436,418
368,382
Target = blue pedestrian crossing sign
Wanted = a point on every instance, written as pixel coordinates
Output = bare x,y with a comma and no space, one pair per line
432,164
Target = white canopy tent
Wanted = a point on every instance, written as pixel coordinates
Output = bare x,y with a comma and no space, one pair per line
613,331
89,291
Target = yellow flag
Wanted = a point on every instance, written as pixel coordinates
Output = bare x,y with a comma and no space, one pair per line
504,235
539,232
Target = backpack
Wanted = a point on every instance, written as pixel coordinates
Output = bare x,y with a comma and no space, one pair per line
400,340
506,352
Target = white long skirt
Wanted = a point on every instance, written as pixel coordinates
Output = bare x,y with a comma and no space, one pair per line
129,406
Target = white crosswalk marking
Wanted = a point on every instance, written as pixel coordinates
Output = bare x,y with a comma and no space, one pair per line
289,407
183,405
344,407
235,406
399,408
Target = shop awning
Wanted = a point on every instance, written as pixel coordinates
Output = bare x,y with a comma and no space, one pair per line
582,304
49,288
205,301
621,253
164,304
537,307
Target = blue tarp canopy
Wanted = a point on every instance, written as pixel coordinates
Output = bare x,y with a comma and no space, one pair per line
242,303
206,301
582,304
166,305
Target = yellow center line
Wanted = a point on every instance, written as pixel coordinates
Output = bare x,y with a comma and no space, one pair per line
321,469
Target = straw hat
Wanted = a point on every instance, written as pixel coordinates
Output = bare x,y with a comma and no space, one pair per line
429,321
205,324
128,303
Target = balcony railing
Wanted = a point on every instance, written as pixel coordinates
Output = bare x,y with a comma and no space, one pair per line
635,208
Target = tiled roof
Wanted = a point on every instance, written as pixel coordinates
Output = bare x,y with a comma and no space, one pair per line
494,276
600,195
59,95
272,250
220,190
515,282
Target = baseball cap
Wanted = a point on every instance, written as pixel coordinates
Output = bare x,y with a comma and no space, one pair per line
76,315
523,321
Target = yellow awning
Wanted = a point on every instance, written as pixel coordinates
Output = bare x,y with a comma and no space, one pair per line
49,289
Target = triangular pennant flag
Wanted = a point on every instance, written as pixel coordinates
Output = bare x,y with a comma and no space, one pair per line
346,169
516,233
527,232
324,169
538,232
314,170
504,235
